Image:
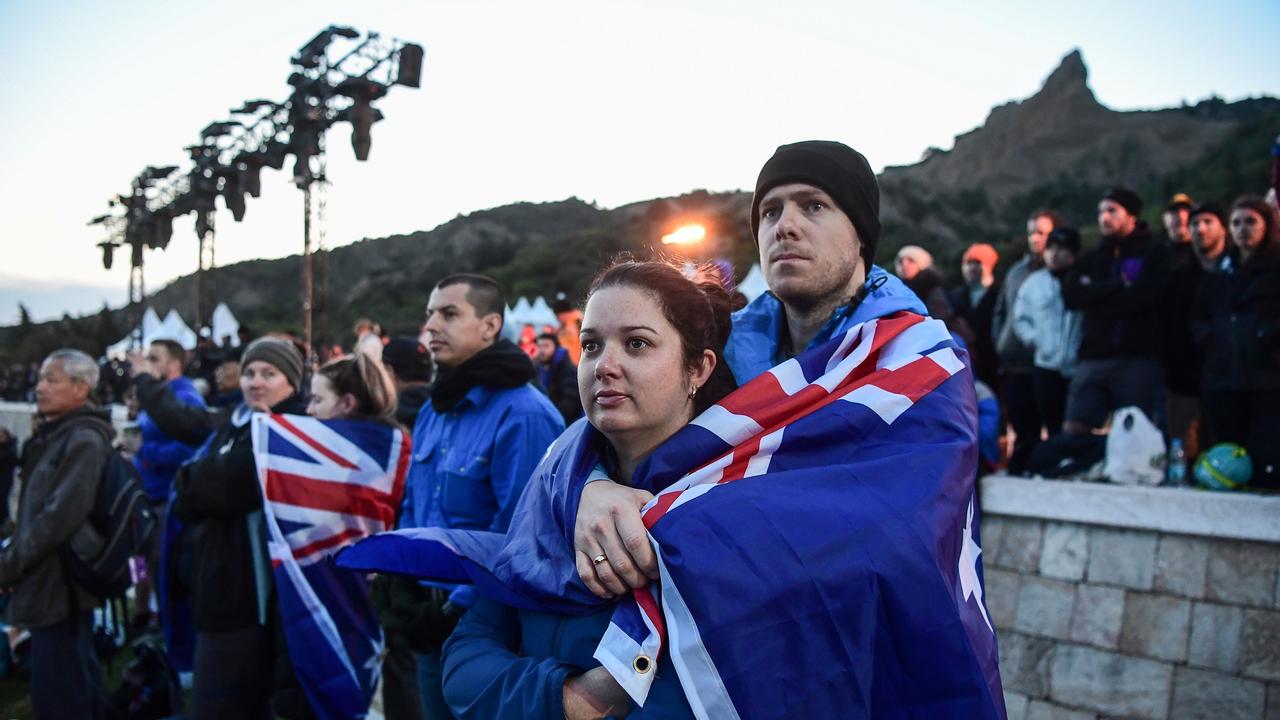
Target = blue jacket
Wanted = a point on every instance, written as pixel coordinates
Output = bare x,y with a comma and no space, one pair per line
756,339
160,456
506,663
471,464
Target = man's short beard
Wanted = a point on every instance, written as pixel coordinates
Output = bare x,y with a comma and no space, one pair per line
808,302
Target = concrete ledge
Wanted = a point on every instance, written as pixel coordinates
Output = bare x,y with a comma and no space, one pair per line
1238,516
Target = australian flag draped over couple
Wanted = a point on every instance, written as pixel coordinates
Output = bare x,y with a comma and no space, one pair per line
325,484
816,537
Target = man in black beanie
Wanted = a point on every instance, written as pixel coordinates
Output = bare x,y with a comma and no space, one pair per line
816,218
815,215
1120,286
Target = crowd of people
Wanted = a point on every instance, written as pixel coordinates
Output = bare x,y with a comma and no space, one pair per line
1182,326
556,454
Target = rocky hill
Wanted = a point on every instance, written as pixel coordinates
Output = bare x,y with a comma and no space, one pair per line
1062,148
1059,148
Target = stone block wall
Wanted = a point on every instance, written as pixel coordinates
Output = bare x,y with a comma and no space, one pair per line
1100,621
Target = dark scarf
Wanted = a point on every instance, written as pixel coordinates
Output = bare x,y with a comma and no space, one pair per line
499,366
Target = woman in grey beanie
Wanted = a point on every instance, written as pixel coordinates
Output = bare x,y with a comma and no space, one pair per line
238,668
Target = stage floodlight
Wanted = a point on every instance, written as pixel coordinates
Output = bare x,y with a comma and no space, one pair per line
361,114
409,72
108,252
249,168
220,128
161,231
274,153
252,106
232,193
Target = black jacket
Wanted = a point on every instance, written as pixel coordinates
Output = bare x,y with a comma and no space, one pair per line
8,463
189,424
1120,286
559,380
986,362
1236,319
927,285
62,466
408,402
1183,359
215,496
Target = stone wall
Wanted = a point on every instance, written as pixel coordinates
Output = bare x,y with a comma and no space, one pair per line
1118,602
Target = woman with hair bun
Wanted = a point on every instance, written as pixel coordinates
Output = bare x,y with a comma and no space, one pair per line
355,387
652,344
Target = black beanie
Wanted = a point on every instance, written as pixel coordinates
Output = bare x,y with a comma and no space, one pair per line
1067,237
840,171
1125,198
410,360
1212,208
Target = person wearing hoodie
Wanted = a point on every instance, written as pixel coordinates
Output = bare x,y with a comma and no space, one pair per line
558,377
409,364
1043,323
1120,286
975,303
61,468
475,444
1236,320
223,563
1017,361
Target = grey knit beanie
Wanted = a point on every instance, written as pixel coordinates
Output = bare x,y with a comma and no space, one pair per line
280,353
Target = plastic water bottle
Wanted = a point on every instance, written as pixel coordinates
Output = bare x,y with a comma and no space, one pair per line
1177,474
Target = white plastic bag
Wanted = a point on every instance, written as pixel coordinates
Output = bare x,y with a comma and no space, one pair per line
1135,449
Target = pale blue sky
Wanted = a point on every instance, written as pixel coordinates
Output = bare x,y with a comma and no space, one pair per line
609,101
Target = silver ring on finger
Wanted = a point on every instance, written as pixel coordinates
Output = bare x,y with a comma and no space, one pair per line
598,559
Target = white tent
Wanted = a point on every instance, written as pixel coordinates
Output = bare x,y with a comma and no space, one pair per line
175,329
510,331
225,325
540,314
753,285
520,312
152,329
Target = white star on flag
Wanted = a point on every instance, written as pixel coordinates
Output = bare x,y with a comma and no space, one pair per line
969,552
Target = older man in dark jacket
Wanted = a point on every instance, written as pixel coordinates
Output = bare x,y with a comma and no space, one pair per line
62,466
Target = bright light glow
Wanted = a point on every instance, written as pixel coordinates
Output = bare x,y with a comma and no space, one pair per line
686,235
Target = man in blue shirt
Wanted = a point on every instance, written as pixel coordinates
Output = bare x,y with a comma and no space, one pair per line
161,454
478,440
816,218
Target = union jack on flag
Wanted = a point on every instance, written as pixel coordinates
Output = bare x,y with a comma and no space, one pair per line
325,485
816,537
835,503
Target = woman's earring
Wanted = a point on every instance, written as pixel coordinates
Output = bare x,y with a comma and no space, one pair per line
693,391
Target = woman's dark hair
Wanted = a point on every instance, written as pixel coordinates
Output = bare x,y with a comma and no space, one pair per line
697,307
366,381
1268,213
